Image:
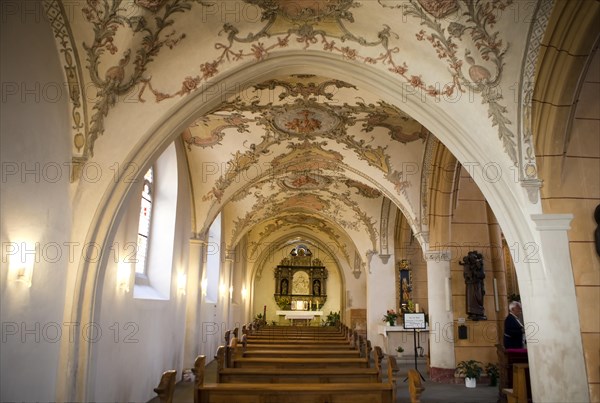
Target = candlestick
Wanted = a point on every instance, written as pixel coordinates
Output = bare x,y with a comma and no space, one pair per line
317,305
417,308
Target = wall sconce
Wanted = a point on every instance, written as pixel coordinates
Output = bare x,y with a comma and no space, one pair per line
181,282
222,290
21,268
123,276
203,285
244,292
231,292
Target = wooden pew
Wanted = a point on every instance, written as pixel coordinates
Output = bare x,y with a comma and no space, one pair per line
519,392
295,392
166,386
415,387
287,363
290,375
301,353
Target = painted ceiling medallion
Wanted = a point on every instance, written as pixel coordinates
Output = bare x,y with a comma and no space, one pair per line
305,181
305,120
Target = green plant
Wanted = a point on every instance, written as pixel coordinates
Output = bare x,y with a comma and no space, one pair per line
493,372
390,316
470,369
400,349
332,319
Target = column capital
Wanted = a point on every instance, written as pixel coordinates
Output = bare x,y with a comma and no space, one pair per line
230,255
552,222
437,255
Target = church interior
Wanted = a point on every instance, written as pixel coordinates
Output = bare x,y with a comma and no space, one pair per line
173,169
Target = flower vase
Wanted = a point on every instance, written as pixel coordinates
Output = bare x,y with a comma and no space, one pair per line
391,322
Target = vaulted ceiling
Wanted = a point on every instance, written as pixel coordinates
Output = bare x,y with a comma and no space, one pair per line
303,152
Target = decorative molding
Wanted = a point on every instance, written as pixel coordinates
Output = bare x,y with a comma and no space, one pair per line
437,255
383,229
384,258
552,222
74,79
422,237
527,163
430,146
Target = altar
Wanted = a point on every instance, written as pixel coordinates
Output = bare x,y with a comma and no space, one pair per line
304,316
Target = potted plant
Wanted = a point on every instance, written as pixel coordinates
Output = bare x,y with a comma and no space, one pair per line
399,351
471,370
493,372
390,317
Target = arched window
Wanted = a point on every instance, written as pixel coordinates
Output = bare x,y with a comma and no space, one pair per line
145,221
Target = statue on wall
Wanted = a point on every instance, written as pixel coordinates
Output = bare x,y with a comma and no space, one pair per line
475,287
284,287
316,287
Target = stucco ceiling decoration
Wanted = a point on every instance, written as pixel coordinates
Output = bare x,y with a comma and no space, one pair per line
305,120
128,38
303,108
305,181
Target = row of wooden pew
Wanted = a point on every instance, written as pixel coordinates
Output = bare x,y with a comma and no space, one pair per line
296,365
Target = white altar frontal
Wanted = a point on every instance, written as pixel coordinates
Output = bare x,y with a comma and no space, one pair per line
304,317
394,336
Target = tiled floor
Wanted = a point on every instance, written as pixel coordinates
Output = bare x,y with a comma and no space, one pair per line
434,392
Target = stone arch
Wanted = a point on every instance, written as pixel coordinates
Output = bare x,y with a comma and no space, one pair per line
505,198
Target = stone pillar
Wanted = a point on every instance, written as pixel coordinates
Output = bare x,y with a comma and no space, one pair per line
381,295
441,327
228,268
554,344
194,298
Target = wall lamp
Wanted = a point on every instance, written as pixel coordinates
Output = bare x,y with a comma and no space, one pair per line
181,283
123,276
21,266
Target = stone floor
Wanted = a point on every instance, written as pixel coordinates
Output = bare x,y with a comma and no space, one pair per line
434,392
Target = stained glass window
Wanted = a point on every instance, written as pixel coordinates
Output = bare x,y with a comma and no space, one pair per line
145,220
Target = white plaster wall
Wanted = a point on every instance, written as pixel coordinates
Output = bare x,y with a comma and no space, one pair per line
35,207
138,339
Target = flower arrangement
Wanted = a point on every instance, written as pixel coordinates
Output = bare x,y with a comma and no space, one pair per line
390,317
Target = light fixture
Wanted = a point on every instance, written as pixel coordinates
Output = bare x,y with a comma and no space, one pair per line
181,282
203,285
222,290
230,292
123,276
244,292
21,266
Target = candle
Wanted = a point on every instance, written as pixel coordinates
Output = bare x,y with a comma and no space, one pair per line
317,305
417,308
310,305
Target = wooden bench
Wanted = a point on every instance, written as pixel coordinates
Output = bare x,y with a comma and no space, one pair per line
166,386
311,374
415,387
293,392
519,392
301,353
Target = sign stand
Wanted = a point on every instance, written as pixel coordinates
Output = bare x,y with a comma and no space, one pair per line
415,321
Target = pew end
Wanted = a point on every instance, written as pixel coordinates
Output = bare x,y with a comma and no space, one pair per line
166,386
415,387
